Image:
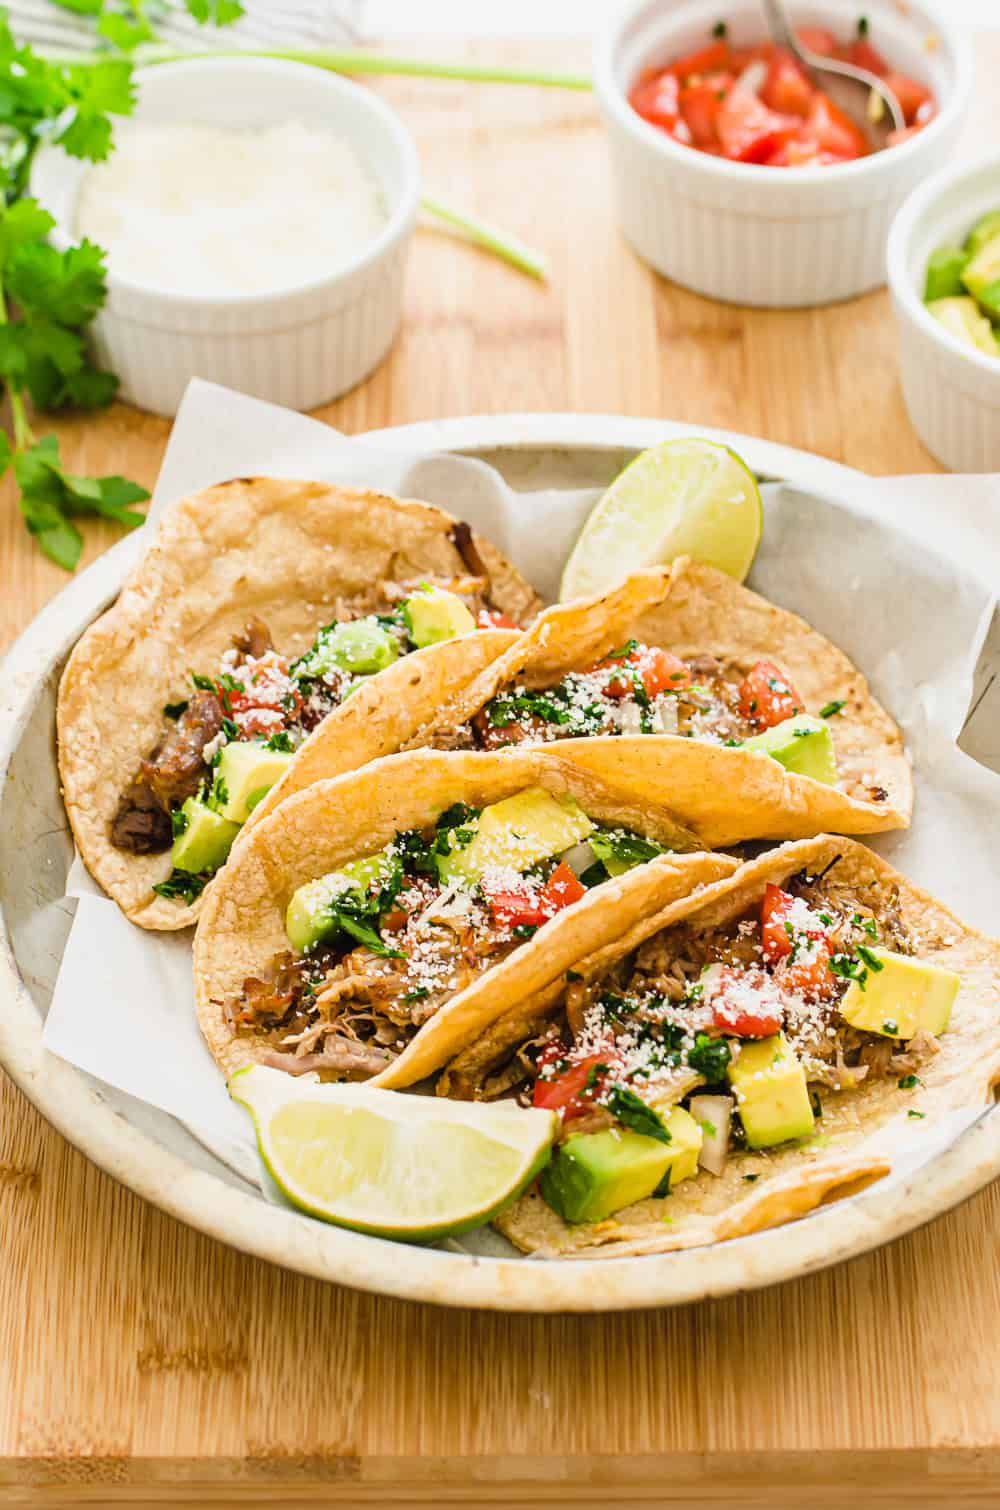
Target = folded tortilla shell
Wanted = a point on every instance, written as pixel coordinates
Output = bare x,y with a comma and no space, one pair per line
285,551
692,609
242,925
861,1131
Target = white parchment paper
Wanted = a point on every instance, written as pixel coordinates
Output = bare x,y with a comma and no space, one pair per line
902,575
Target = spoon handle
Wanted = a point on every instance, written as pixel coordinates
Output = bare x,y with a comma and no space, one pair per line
779,26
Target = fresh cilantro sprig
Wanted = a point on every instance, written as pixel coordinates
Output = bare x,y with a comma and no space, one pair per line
48,297
128,24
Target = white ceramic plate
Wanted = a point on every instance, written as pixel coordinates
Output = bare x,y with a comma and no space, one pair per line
159,1159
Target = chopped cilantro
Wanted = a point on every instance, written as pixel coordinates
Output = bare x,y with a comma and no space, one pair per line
708,1128
863,26
720,30
280,740
751,1177
833,708
179,821
524,930
663,1190
907,1082
182,886
174,710
417,994
816,1104
624,849
632,1112
871,960
203,683
890,1026
710,1057
918,1115
350,922
573,975
219,793
229,729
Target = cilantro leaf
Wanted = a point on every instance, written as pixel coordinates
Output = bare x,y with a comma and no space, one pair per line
67,288
633,1112
124,32
49,493
219,12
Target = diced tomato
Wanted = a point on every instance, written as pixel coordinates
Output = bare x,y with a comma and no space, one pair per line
745,1004
260,723
659,670
562,889
711,59
817,39
516,907
800,950
833,130
910,94
786,88
700,104
494,618
656,99
574,1090
748,130
741,57
863,55
767,697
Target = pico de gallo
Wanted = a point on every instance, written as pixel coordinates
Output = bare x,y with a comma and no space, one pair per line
377,947
757,104
234,728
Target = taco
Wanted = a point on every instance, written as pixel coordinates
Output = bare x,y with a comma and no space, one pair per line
744,1054
725,690
263,610
377,922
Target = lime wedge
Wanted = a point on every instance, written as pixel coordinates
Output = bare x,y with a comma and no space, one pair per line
680,498
415,1167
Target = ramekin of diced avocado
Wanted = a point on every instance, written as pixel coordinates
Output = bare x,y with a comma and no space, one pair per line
962,286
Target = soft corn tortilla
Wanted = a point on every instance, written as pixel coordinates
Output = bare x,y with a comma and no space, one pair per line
285,551
861,1131
242,925
692,609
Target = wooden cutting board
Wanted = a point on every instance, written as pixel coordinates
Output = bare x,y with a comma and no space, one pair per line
142,1363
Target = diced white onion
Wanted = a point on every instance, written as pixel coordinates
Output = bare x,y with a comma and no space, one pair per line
753,77
631,718
580,858
665,716
713,1114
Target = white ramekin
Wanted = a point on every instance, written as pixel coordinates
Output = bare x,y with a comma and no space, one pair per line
299,346
951,390
769,236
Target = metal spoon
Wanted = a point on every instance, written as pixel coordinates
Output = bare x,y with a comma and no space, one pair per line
839,79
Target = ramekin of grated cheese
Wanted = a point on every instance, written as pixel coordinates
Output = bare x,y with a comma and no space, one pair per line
257,216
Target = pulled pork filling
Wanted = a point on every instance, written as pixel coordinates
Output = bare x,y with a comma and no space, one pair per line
257,694
642,689
671,1017
399,935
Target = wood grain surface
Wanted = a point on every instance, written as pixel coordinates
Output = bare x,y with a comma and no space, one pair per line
143,1363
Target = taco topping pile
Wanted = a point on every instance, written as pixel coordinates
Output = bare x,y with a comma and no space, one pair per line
645,689
380,945
226,745
703,1042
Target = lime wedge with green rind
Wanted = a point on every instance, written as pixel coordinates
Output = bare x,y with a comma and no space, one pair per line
688,497
407,1167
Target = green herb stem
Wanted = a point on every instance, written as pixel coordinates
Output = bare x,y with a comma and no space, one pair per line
361,62
508,248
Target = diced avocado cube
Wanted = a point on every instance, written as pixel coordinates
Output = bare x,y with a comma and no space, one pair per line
595,1174
771,1092
904,996
802,744
983,268
944,273
686,1138
434,615
308,919
963,318
204,840
515,833
986,228
989,301
362,646
247,771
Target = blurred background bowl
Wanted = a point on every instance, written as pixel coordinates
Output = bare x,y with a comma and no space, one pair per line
299,346
952,391
780,237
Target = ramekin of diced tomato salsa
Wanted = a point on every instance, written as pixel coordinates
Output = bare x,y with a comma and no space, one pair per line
758,104
699,107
